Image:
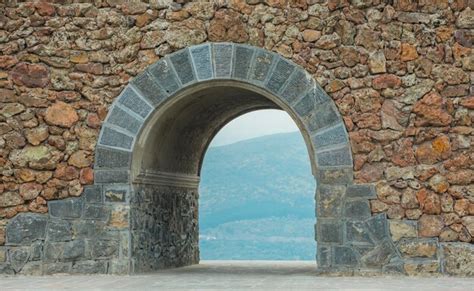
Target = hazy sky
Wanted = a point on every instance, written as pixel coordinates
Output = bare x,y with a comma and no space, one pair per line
254,124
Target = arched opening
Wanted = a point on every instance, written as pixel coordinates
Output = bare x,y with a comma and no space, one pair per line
167,167
256,192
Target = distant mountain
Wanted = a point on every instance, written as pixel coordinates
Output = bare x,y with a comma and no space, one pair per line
257,200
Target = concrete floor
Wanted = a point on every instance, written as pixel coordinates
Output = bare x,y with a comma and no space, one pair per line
235,275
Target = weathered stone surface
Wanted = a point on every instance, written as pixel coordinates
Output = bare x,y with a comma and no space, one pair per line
30,75
458,258
418,248
61,114
402,229
430,225
69,208
58,230
421,267
26,228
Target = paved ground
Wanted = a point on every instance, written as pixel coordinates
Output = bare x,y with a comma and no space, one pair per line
235,275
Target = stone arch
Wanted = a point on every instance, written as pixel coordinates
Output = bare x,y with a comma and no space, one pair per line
147,163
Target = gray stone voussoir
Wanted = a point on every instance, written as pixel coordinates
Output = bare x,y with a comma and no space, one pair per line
114,137
222,55
107,157
149,88
125,119
262,65
297,86
334,157
330,200
164,74
334,136
335,175
111,176
242,61
70,208
133,100
183,66
280,75
202,61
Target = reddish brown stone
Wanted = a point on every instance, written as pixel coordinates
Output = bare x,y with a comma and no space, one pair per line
311,35
44,8
430,225
468,102
30,191
87,176
463,177
65,172
408,52
386,81
429,201
7,61
227,26
461,207
91,68
431,110
80,159
61,114
30,75
404,155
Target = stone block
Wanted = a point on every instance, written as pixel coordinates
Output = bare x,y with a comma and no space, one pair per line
102,249
299,83
361,191
6,269
329,232
417,267
458,258
18,257
356,231
57,268
418,248
305,106
3,254
149,88
53,251
74,250
26,228
32,269
323,256
344,256
324,115
222,53
377,224
201,56
242,61
112,137
379,256
133,101
338,175
330,199
36,251
357,209
183,66
402,228
93,194
89,267
96,212
88,229
121,118
67,208
111,176
59,230
116,192
119,267
111,158
261,66
280,74
328,137
163,72
335,157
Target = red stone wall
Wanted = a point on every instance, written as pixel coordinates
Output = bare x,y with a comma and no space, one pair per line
400,71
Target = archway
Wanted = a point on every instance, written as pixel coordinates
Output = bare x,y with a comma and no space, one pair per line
141,213
159,128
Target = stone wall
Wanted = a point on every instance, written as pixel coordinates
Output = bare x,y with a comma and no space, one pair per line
399,71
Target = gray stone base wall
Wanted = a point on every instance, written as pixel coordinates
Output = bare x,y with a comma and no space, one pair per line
164,227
